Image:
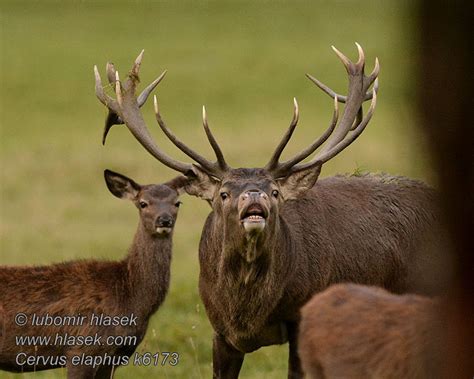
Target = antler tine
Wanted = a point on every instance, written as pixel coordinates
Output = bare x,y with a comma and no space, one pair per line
326,89
133,78
346,62
113,118
126,108
137,64
142,98
375,72
361,60
208,166
358,86
326,156
273,163
99,90
336,136
215,146
110,69
118,89
331,93
284,167
360,116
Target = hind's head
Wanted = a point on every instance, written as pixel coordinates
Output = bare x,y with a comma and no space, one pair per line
157,203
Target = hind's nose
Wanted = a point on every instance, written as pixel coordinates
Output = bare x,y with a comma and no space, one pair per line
165,221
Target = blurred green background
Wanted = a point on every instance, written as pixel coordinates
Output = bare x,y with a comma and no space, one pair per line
245,61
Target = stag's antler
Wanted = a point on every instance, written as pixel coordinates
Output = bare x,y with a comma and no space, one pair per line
352,119
125,108
113,118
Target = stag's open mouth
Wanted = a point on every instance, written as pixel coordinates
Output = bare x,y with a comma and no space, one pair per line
254,218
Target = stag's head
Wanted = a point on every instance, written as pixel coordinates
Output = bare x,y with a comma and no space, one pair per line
157,203
247,200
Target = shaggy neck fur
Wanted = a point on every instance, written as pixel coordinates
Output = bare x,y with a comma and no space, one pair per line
255,284
148,265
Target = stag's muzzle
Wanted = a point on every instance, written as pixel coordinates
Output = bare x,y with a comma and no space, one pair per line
254,215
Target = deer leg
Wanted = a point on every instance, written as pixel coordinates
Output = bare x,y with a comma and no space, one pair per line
226,360
80,372
105,372
294,364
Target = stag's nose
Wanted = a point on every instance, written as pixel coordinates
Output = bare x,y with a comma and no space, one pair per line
254,194
165,221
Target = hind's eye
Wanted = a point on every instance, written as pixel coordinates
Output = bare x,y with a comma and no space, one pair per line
224,195
178,204
275,193
143,204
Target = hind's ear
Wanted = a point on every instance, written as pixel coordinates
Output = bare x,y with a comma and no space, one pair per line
121,186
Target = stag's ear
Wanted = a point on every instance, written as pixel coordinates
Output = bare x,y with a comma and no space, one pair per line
179,184
121,186
201,184
299,182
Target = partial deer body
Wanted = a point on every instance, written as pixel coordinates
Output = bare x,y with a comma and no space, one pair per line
276,235
355,331
132,288
309,244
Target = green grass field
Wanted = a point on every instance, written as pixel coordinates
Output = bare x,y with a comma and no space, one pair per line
245,61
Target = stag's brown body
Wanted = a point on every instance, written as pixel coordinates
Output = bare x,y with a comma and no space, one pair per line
132,288
371,229
276,235
360,332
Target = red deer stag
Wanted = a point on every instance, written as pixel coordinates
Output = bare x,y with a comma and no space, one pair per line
276,235
77,301
355,331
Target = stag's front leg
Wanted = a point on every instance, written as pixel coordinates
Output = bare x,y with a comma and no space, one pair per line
226,360
105,372
294,364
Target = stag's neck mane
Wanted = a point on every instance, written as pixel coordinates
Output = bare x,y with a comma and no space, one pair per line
250,290
148,268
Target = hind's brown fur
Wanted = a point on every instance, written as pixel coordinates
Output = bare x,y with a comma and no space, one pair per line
135,285
354,331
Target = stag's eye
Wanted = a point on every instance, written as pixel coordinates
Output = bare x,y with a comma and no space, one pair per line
143,204
275,193
178,204
224,195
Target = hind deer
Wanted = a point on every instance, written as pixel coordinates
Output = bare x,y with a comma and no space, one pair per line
130,290
355,331
276,234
